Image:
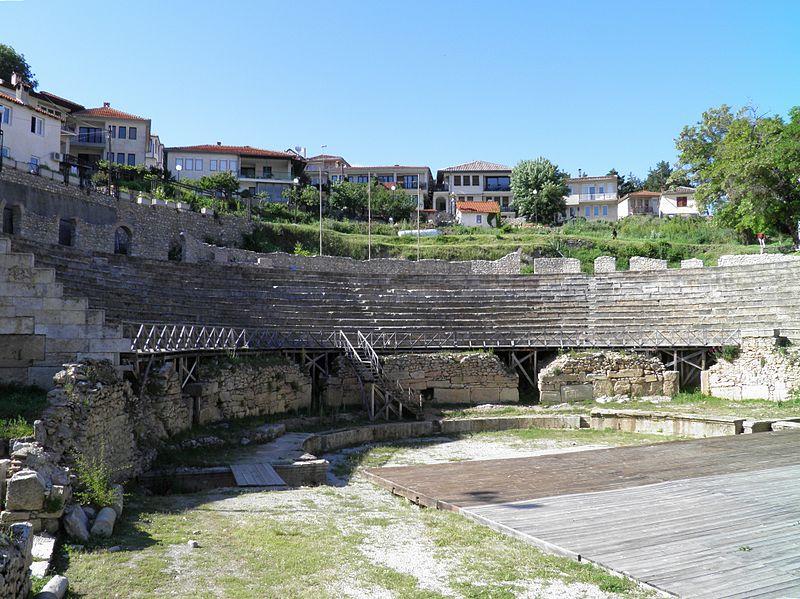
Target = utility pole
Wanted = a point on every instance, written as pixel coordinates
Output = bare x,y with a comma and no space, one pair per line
321,171
110,159
369,215
419,198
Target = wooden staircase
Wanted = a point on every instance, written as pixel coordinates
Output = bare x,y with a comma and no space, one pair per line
382,397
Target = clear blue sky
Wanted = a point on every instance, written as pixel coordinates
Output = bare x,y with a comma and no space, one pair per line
590,85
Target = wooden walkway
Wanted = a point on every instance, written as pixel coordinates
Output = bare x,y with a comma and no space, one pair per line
717,517
256,475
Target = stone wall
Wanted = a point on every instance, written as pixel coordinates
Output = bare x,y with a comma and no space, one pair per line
508,265
584,376
603,264
766,368
15,561
94,414
40,204
226,391
551,266
640,263
747,259
444,378
692,263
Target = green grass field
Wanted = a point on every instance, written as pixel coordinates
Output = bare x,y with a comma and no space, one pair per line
673,240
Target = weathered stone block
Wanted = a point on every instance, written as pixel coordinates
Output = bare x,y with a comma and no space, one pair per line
577,393
25,491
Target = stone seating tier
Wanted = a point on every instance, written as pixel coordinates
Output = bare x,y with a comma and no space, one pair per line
611,306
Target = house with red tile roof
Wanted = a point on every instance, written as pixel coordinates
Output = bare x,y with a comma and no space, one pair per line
415,181
30,135
592,198
476,181
478,213
107,133
263,173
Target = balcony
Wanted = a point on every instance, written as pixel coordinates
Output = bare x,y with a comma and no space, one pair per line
497,187
251,175
94,139
593,197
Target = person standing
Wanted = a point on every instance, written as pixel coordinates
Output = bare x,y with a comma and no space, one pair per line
762,241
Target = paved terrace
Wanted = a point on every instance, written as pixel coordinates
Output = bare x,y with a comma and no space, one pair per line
249,307
713,517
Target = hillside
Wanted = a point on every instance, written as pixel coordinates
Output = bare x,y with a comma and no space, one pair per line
673,240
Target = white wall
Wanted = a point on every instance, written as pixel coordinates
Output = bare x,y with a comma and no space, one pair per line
138,147
668,204
21,144
205,159
470,219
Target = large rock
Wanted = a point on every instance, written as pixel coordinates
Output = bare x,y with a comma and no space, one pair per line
77,524
118,500
55,588
25,491
104,523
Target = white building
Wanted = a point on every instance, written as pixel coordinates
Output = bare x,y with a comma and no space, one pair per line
478,213
332,167
31,135
265,173
642,203
415,181
109,134
592,198
476,181
678,201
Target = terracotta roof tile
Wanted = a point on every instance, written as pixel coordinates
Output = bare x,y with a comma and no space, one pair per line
109,113
239,150
10,98
482,207
477,165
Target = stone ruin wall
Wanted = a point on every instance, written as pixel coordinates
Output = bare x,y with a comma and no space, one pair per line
447,378
767,368
585,376
15,561
94,414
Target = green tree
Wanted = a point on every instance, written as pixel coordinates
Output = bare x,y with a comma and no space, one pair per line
658,176
302,197
386,203
539,188
223,182
350,198
746,168
12,61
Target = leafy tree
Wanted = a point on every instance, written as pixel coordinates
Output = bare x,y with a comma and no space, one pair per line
386,203
303,197
12,61
657,176
350,198
223,182
746,168
539,188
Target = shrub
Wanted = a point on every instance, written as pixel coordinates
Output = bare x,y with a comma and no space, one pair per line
15,428
94,482
729,352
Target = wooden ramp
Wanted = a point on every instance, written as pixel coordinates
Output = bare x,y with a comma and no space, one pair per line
716,517
256,475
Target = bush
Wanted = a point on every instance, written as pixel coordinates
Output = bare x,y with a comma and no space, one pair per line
19,407
729,352
94,482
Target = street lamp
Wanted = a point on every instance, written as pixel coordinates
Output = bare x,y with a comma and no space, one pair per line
418,203
1,142
369,215
296,182
321,171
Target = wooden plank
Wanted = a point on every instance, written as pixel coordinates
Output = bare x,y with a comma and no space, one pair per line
256,475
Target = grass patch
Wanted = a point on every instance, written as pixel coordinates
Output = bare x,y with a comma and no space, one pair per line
19,407
583,436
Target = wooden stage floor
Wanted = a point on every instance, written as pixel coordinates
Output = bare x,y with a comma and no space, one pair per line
717,517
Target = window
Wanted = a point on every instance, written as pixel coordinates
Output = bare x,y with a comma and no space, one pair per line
223,165
110,156
497,183
605,210
601,190
682,201
188,164
469,198
410,181
572,212
457,180
592,190
504,201
92,135
476,180
66,231
362,179
212,165
34,164
131,159
587,212
37,125
479,218
121,132
266,172
179,162
6,152
131,132
569,191
122,241
8,220
597,211
113,130
120,157
232,166
385,178
6,114
198,164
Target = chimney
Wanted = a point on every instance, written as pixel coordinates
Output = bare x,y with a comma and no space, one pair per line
106,104
219,143
21,87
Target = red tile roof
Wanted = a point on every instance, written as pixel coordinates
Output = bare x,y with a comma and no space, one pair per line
482,207
109,113
51,97
239,150
10,98
476,166
645,194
